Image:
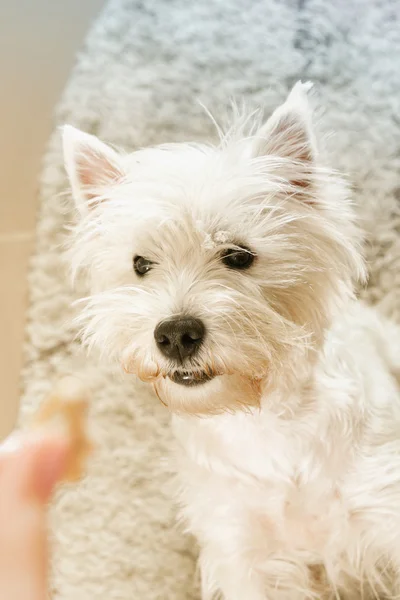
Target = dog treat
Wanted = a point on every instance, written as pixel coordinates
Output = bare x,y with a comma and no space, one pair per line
66,407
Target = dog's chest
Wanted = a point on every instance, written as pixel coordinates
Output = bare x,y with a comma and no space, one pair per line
307,518
271,483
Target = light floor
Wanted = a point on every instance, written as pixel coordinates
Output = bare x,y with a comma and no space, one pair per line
38,42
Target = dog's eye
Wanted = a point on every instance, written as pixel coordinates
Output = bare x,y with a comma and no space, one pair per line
141,265
238,258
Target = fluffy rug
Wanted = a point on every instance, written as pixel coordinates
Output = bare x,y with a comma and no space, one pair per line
137,81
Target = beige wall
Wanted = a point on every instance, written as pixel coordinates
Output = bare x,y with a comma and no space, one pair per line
38,42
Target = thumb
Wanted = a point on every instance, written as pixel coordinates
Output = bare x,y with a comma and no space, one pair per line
29,471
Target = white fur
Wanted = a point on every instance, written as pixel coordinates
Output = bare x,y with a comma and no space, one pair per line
289,474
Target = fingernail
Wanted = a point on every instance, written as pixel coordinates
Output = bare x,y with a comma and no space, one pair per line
13,443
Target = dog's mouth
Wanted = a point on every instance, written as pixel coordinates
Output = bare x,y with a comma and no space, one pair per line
190,378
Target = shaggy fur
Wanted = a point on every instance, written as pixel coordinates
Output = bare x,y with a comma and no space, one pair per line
137,83
291,480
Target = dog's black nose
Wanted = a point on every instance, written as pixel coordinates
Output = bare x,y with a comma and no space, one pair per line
179,337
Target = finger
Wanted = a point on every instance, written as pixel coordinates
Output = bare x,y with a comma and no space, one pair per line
33,465
28,474
23,552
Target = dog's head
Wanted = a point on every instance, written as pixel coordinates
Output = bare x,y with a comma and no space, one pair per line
214,270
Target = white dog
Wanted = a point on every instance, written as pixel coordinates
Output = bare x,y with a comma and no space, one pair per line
224,275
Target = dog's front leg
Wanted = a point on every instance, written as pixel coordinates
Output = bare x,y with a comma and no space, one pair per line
254,578
230,583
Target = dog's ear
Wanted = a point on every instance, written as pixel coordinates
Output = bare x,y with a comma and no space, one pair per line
91,165
288,134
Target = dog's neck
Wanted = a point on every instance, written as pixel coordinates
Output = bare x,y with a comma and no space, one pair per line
290,422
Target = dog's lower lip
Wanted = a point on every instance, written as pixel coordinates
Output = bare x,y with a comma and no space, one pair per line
188,378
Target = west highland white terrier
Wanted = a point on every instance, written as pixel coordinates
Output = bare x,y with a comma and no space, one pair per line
224,276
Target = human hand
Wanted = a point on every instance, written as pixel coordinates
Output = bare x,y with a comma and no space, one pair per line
30,468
